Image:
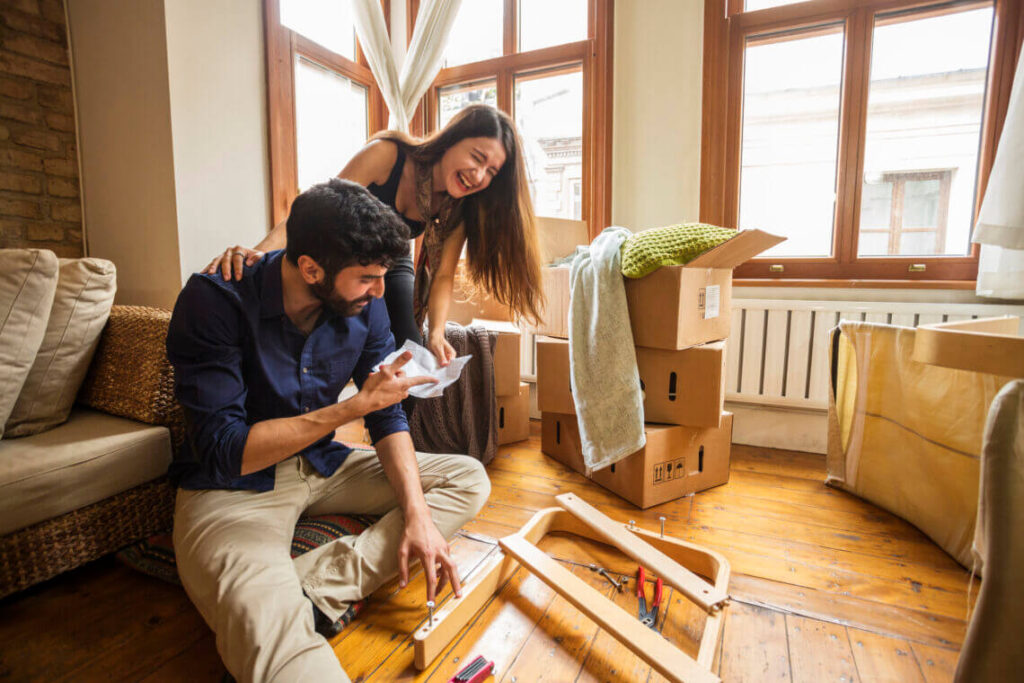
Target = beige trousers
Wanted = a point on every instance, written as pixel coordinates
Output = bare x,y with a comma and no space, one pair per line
232,550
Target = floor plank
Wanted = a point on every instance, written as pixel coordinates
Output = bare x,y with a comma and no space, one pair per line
819,652
755,645
881,659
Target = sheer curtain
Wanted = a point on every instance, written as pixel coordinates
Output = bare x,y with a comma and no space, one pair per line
426,50
1000,227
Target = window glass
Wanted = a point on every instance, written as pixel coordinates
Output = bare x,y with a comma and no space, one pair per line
327,22
549,116
925,107
330,121
453,98
543,23
790,134
476,34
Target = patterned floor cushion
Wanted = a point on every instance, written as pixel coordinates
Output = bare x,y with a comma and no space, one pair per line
155,555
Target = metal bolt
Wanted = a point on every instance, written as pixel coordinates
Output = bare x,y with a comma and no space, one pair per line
430,609
605,574
632,524
662,518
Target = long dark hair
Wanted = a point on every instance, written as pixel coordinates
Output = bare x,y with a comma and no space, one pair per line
501,233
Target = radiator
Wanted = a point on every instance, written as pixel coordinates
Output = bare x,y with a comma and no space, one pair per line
777,354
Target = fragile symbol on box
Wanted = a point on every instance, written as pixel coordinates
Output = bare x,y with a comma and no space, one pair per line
709,301
669,470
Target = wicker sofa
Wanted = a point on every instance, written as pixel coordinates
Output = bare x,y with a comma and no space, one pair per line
97,482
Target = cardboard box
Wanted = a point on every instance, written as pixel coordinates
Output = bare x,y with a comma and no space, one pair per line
554,394
680,306
506,356
555,317
684,387
514,416
676,461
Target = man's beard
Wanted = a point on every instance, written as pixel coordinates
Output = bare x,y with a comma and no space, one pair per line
336,303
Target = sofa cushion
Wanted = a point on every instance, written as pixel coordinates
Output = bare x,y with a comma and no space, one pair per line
81,305
28,280
88,458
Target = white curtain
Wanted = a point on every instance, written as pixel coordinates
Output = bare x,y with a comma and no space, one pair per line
426,50
1000,226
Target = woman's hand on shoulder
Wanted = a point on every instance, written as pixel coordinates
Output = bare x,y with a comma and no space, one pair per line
372,163
232,262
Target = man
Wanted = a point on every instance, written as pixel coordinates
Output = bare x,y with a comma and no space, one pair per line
259,364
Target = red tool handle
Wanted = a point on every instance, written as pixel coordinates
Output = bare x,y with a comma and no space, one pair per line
641,579
657,594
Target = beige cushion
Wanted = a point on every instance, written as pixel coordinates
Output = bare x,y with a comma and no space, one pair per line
81,306
28,280
90,457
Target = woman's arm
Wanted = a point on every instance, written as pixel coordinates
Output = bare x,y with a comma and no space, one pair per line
371,164
440,300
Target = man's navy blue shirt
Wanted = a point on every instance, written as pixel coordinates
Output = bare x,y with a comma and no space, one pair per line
238,359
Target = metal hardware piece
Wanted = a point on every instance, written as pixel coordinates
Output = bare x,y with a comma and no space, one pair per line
916,268
430,609
776,268
662,520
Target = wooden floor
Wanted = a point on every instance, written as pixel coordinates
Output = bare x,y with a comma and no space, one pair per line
825,588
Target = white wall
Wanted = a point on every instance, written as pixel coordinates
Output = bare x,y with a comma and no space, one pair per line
657,111
119,69
171,108
215,64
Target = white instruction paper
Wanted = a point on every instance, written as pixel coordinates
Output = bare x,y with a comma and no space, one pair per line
424,364
712,301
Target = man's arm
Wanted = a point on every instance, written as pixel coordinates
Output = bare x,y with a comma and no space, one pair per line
421,540
272,441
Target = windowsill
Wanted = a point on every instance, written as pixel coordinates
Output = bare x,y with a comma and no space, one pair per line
854,284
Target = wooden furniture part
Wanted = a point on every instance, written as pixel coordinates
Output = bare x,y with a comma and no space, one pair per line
989,345
663,554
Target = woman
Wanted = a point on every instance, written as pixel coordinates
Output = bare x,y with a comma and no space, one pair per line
464,185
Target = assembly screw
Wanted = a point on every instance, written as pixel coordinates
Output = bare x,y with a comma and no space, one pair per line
632,524
662,518
430,609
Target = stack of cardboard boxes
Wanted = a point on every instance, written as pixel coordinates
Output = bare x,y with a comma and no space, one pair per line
680,317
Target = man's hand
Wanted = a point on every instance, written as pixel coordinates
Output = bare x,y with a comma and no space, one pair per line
389,385
421,540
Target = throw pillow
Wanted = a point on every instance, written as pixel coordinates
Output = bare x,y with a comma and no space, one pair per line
674,245
28,280
81,306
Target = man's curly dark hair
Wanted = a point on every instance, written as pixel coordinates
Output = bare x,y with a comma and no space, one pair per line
339,224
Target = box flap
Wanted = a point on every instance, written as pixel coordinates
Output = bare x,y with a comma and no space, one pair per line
744,246
559,237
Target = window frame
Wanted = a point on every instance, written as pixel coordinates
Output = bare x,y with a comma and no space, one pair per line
726,27
283,47
593,54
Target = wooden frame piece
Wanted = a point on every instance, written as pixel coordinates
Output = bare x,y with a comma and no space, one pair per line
577,517
988,345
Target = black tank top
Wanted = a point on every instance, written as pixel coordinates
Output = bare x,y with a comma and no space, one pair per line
386,193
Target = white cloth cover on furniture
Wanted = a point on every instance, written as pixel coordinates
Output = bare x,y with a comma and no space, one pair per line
28,280
90,457
992,651
81,306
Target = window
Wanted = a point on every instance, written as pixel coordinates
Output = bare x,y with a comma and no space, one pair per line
863,131
322,100
548,65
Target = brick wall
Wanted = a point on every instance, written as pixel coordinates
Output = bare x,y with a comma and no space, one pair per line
39,192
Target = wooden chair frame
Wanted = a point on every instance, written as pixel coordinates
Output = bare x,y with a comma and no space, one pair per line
663,555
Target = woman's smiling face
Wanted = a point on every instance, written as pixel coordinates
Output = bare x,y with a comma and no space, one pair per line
470,165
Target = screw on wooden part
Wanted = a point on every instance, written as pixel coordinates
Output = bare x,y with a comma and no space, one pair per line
662,518
430,609
632,524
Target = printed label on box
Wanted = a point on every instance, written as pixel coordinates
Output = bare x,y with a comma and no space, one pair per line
709,302
669,470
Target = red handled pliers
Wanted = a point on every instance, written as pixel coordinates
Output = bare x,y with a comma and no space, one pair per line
647,617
